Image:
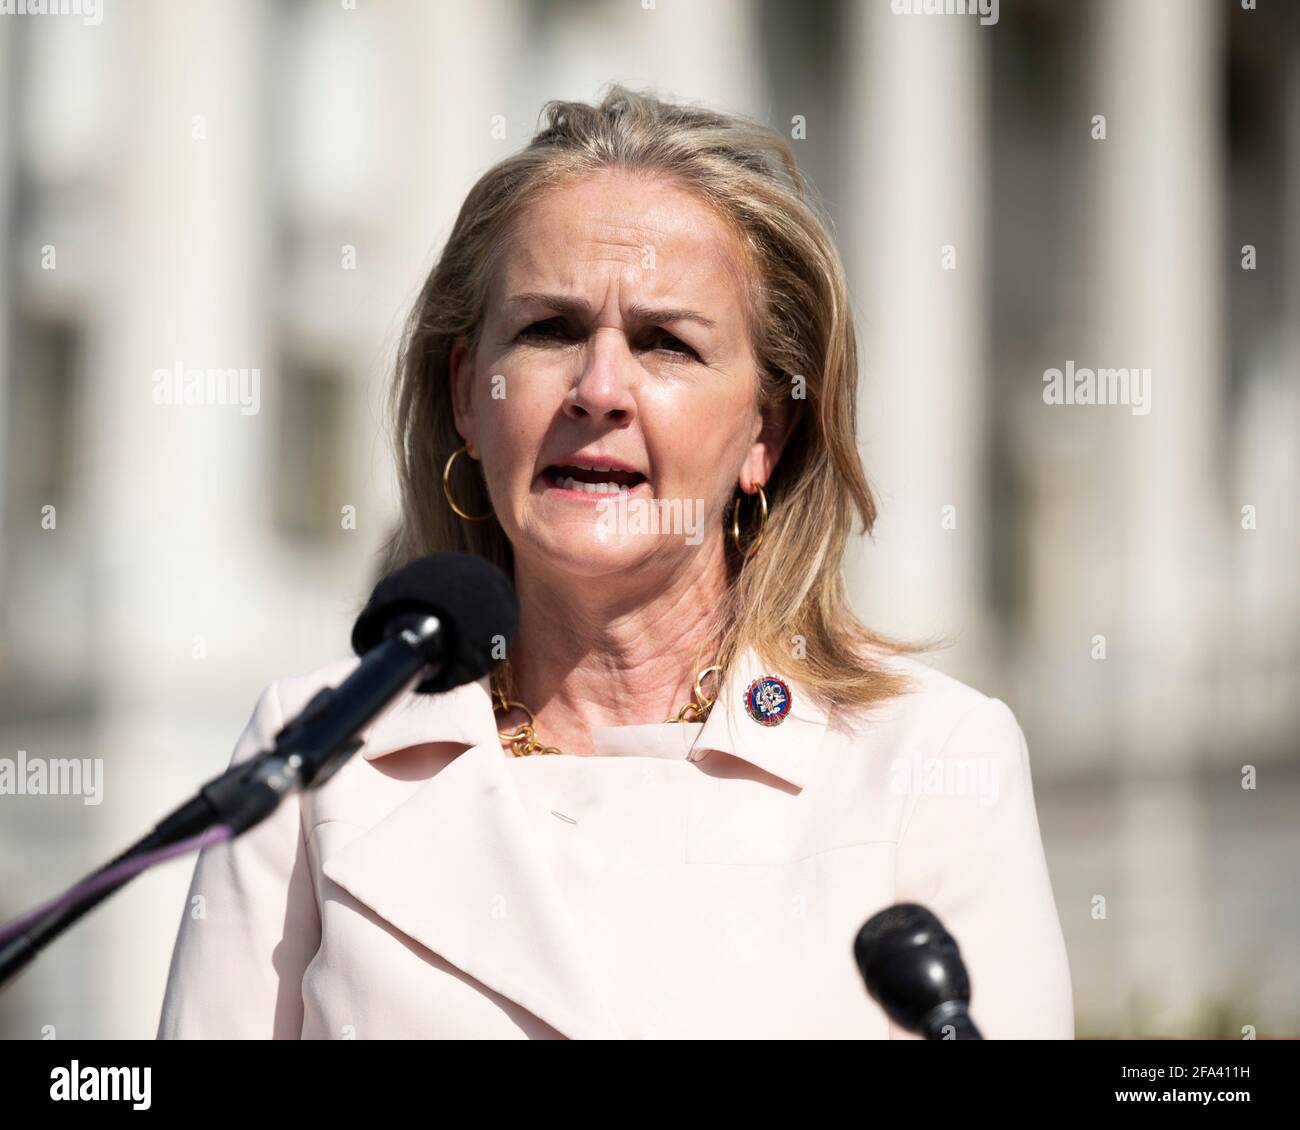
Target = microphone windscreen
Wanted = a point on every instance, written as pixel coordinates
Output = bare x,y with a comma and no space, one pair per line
910,964
896,927
471,597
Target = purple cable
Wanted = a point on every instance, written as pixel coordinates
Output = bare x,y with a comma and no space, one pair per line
111,876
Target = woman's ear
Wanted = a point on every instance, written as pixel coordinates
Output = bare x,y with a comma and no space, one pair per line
777,424
460,369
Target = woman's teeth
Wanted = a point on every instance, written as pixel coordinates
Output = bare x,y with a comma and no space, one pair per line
566,483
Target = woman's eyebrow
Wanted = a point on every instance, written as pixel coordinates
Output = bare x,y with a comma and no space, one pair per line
639,312
642,313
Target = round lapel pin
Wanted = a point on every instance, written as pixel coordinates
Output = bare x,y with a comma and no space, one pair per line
768,700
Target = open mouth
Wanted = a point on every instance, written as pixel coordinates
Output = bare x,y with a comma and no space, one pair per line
592,480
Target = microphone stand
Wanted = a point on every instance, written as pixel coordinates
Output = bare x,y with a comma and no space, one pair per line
307,752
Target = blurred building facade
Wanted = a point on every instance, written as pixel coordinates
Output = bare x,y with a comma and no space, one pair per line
262,187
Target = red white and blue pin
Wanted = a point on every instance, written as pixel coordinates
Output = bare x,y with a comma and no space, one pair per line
768,700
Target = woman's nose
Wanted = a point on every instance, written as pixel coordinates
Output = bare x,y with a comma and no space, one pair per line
604,388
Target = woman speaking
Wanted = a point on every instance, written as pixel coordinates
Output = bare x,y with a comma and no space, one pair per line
630,381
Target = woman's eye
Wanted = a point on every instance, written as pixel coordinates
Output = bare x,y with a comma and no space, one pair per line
555,329
551,327
672,344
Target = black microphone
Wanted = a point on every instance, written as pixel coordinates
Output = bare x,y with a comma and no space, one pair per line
439,622
475,605
913,969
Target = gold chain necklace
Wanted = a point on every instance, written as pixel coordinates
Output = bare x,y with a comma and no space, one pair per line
524,740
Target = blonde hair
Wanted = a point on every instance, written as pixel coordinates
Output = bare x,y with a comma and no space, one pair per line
787,602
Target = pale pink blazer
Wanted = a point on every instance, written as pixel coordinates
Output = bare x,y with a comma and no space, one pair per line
688,881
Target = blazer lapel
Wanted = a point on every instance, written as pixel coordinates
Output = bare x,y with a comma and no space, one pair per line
460,868
788,750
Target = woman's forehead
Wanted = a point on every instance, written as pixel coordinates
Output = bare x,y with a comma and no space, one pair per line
653,234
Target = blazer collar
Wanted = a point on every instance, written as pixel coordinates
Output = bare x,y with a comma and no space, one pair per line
536,955
465,716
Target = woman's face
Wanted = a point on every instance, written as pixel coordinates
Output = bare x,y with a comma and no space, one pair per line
612,399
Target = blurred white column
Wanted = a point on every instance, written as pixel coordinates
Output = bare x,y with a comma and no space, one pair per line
705,50
1159,304
8,128
451,85
175,491
1259,684
174,486
388,118
918,183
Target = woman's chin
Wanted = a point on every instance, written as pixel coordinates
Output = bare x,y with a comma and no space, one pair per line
593,552
602,540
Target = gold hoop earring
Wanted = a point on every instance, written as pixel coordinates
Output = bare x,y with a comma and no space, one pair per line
758,534
446,489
